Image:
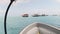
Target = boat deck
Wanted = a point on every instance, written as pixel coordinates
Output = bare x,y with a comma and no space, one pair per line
35,28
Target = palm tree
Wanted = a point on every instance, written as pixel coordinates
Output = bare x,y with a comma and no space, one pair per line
5,28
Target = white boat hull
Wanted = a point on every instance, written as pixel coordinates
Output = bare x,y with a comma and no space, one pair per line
43,28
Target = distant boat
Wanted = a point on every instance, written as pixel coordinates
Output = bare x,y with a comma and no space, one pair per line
43,15
25,15
35,15
39,28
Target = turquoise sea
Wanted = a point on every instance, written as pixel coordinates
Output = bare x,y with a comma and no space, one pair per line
16,24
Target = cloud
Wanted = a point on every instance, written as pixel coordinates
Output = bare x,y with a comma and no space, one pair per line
49,11
32,11
22,1
2,12
4,1
17,1
57,0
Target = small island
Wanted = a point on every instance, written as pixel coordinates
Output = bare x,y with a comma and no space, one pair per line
25,15
37,15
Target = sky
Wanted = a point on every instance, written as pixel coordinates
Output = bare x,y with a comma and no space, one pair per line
30,7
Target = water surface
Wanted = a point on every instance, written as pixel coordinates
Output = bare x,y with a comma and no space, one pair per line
16,24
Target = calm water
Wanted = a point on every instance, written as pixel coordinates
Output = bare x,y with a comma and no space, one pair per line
16,24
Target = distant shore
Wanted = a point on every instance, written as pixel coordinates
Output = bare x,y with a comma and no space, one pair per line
36,15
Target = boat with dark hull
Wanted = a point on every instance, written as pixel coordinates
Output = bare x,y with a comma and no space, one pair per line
35,15
25,15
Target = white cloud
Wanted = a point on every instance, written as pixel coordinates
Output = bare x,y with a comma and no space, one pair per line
42,11
17,1
57,0
22,1
48,11
4,1
2,12
32,11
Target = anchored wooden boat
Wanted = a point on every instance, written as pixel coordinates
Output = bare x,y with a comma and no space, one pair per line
39,28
